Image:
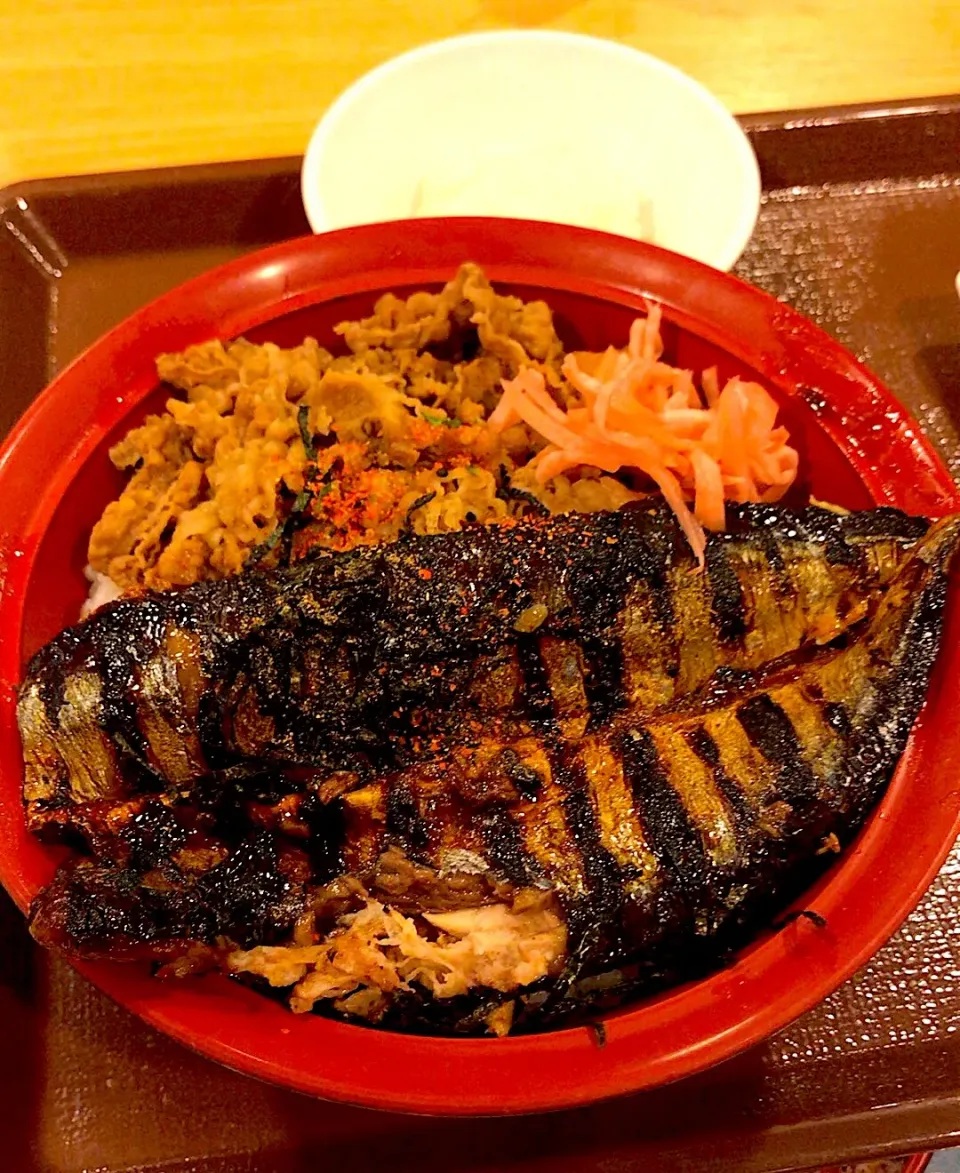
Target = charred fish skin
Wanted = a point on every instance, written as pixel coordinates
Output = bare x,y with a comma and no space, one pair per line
669,838
372,660
100,911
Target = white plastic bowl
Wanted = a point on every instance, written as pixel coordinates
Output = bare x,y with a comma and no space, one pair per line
542,126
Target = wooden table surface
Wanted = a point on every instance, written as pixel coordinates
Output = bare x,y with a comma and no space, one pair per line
96,85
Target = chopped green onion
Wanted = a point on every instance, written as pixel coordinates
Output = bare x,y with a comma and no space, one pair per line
438,421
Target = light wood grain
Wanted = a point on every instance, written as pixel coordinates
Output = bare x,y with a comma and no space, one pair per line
95,85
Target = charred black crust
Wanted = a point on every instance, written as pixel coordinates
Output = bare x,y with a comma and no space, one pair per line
525,778
899,699
743,815
603,678
210,733
535,697
769,729
823,526
326,823
727,603
837,717
590,919
245,898
117,660
673,838
505,848
152,836
404,821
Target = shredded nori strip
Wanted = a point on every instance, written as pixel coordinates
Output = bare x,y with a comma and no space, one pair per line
508,492
407,527
807,913
599,1032
294,520
302,500
260,551
303,416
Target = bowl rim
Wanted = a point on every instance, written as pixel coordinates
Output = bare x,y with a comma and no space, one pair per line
727,251
698,1024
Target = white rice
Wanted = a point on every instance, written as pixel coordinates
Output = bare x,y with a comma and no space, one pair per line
102,590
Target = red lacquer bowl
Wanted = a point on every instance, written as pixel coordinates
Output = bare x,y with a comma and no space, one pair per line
859,448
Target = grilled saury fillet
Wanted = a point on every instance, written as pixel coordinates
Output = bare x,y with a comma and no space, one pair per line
447,783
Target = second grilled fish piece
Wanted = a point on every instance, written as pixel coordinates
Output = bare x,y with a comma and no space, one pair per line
370,661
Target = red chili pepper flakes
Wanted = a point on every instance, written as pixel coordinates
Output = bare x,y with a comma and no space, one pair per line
425,572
